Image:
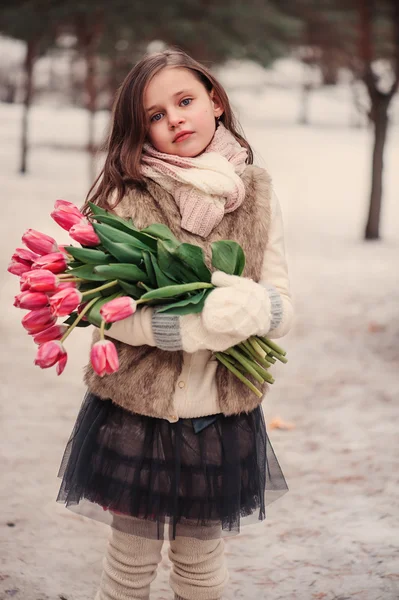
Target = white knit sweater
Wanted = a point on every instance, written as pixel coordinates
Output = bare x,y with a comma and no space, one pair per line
196,392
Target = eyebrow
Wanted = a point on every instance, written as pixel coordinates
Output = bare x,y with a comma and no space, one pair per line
174,96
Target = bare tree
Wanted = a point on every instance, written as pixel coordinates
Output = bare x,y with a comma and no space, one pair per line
380,100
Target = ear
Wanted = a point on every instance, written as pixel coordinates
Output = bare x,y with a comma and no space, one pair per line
216,103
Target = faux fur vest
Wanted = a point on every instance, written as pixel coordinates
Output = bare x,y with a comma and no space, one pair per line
145,382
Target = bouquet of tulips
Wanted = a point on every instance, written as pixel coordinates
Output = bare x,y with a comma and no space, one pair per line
116,268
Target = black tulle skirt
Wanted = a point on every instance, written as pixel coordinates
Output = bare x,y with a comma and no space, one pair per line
118,465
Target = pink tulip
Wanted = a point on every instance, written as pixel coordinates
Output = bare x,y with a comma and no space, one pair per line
63,285
39,280
66,214
66,285
104,358
18,268
37,320
118,309
84,234
55,332
61,248
31,300
65,301
39,242
51,353
24,255
61,364
55,262
23,284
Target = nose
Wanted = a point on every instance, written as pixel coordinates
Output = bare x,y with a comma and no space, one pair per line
175,119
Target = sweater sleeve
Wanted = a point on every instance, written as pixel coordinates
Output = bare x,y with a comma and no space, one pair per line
274,275
135,330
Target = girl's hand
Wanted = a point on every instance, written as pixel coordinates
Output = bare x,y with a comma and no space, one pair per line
238,305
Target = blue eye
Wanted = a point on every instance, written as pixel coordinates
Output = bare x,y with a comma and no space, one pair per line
155,117
186,101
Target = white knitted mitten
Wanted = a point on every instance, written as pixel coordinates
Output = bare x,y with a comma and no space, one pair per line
195,336
239,306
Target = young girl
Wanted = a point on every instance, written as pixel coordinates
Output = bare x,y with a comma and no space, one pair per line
173,445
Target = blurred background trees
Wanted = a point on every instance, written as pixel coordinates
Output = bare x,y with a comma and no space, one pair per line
90,45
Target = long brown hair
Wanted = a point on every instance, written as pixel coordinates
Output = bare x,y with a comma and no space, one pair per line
129,125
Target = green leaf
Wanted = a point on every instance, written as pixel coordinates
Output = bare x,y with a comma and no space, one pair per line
116,235
172,291
87,255
97,210
162,279
124,271
193,257
123,252
149,268
161,231
228,256
87,272
132,290
145,287
72,318
171,265
124,233
104,293
192,304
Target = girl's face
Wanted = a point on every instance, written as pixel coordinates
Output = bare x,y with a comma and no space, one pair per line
181,112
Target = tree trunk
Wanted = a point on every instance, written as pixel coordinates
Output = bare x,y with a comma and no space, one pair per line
31,53
303,117
89,31
380,123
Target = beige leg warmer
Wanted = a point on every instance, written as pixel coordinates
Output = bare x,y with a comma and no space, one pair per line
129,567
199,570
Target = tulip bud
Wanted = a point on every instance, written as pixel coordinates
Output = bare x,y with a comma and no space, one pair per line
24,255
84,234
65,302
66,285
39,242
31,300
37,320
51,353
118,309
39,280
66,214
55,332
61,364
55,262
18,268
104,358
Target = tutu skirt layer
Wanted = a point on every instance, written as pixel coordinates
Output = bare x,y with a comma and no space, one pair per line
125,464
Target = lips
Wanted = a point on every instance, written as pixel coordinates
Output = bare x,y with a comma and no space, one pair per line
182,135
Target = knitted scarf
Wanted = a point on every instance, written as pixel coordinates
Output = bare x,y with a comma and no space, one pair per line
204,187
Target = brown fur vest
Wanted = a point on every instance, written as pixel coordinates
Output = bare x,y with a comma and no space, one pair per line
146,379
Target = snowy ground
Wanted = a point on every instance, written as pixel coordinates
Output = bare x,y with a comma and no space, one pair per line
334,536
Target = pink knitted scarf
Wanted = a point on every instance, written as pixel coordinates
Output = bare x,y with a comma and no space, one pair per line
204,187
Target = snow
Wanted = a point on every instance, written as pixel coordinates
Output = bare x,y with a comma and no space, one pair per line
334,535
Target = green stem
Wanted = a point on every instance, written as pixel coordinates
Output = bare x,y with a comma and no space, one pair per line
274,346
254,344
246,363
233,362
78,318
272,353
239,375
101,287
64,276
255,354
102,330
